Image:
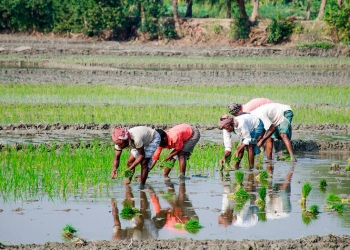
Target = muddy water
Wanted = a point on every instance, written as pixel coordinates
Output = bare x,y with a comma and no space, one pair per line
203,197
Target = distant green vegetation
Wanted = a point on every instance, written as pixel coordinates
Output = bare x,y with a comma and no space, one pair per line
164,104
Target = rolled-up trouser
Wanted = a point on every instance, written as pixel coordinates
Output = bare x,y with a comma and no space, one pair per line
285,127
191,142
254,134
149,149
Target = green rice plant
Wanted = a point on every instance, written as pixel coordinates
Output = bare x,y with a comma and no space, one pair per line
193,226
128,211
310,214
347,168
313,210
307,219
260,202
305,191
128,173
241,196
179,226
239,178
262,216
68,232
337,207
263,177
235,158
322,184
333,198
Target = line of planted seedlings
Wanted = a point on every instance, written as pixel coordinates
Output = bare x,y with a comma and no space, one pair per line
58,172
160,114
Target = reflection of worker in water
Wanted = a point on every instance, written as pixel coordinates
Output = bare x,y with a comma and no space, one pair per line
244,217
142,227
278,203
181,210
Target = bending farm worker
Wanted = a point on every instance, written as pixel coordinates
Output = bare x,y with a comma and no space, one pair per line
277,119
249,128
143,142
237,108
182,139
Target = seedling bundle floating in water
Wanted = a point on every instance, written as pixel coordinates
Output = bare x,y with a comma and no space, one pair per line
263,177
68,232
192,226
305,191
333,198
239,178
260,202
128,212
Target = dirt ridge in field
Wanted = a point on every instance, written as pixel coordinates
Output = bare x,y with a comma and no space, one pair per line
330,241
103,130
196,77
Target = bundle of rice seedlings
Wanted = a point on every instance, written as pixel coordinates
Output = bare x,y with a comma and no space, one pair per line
239,177
305,191
128,212
68,232
313,210
262,177
236,158
128,173
347,168
241,196
307,219
338,207
192,226
333,198
260,202
322,184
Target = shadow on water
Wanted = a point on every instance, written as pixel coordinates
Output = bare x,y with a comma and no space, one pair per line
204,197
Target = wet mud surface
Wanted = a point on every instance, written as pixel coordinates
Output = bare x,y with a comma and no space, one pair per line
310,242
306,138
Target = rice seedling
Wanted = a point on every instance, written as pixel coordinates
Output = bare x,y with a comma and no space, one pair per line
305,191
333,198
263,177
193,226
128,212
262,216
338,207
347,168
68,232
239,178
323,183
307,219
240,195
312,210
128,173
260,202
95,103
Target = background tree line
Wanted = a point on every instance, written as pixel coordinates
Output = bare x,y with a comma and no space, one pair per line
160,18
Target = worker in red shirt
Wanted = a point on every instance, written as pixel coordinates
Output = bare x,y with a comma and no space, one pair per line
181,139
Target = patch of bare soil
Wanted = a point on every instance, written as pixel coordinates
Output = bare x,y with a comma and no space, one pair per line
104,130
311,242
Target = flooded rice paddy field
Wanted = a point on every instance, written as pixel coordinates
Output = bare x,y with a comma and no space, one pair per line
202,197
165,202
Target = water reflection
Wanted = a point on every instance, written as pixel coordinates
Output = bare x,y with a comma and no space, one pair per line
142,226
278,203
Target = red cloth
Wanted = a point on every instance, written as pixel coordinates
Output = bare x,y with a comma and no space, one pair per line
255,103
177,136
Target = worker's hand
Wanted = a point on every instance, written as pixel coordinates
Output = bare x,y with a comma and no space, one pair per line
259,144
114,174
